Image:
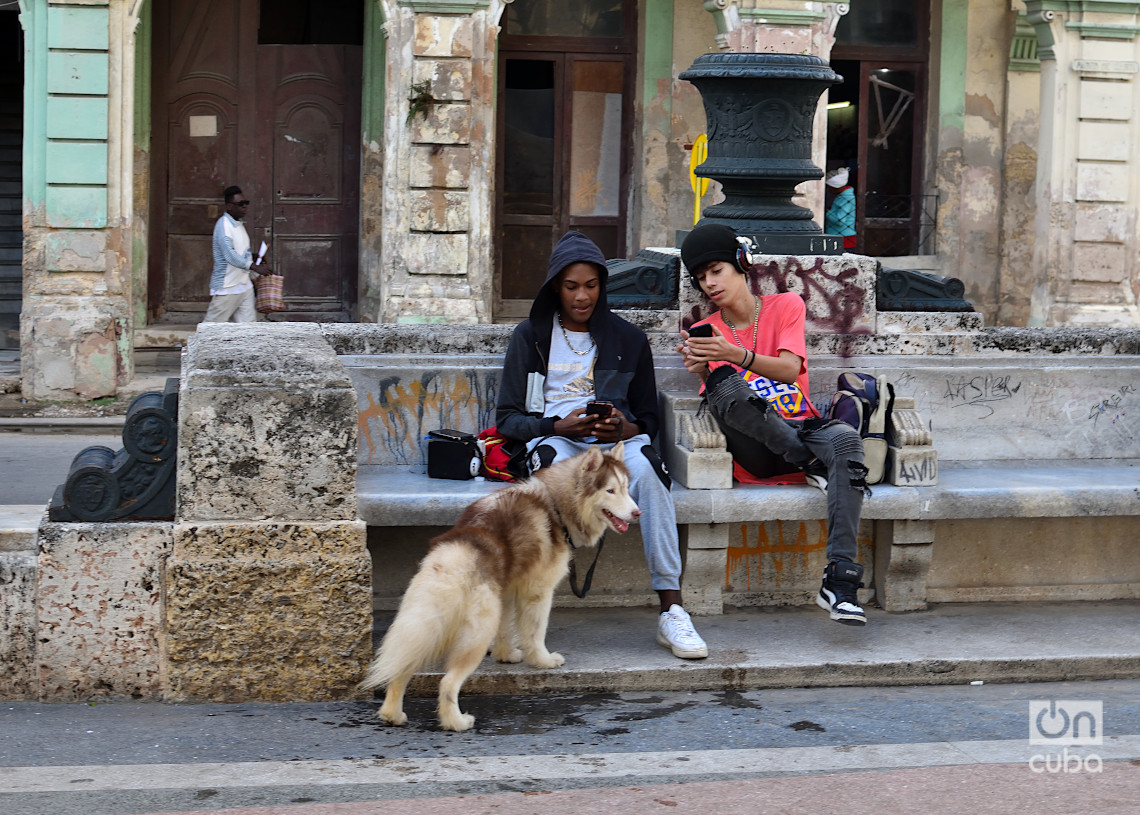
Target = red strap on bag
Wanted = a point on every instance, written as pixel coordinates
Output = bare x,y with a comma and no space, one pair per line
495,459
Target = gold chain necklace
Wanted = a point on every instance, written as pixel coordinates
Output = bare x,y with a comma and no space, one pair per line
566,336
755,326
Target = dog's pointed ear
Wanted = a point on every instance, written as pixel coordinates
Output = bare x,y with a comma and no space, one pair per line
593,459
618,451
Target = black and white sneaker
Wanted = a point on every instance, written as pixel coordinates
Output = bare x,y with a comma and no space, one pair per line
839,593
815,473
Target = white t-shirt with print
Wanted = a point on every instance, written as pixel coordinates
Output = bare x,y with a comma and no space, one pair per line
569,376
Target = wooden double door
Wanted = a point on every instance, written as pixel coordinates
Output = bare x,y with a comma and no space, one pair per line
264,94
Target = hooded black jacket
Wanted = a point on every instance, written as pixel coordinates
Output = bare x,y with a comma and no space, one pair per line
623,371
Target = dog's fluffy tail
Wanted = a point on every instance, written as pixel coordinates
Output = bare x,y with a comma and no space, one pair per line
430,614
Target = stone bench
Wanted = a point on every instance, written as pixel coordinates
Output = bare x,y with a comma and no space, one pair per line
303,505
1015,417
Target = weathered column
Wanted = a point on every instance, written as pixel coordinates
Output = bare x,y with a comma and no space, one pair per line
902,562
439,142
1086,260
786,27
268,588
706,547
75,326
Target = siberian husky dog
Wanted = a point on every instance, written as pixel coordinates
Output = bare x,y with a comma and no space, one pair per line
492,576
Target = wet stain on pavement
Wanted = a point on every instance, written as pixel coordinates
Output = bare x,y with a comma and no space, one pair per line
806,725
656,713
735,699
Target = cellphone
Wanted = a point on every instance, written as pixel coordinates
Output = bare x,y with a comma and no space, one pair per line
705,330
600,409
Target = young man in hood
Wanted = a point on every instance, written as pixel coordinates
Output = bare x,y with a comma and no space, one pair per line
572,351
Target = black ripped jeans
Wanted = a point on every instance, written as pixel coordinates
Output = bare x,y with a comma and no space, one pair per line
764,443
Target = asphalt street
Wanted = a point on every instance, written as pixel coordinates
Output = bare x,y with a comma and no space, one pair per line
33,463
941,749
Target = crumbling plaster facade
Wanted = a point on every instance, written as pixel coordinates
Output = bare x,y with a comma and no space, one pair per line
1031,160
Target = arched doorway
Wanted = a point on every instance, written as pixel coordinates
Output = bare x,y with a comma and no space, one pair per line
265,94
565,124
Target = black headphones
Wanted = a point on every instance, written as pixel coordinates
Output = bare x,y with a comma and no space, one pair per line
744,258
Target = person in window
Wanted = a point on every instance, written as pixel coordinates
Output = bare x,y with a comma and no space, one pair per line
753,370
571,351
840,216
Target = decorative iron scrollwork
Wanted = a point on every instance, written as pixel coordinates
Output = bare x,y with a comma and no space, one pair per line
134,484
906,290
648,281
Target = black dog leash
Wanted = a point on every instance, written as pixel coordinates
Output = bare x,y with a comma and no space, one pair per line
589,573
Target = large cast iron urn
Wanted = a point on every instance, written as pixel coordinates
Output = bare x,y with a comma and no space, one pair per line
761,110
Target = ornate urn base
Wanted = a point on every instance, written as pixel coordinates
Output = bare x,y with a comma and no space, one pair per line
761,111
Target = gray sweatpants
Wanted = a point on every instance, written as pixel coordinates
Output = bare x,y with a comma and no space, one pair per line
658,517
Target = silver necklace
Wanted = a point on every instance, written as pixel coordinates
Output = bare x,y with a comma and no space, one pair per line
755,325
566,336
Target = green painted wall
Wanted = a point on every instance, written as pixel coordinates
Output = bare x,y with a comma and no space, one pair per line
952,65
71,103
33,14
375,60
657,53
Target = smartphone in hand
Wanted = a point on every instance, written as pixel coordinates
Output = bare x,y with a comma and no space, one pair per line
705,330
601,410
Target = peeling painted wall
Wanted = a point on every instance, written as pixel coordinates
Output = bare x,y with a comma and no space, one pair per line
970,148
1018,197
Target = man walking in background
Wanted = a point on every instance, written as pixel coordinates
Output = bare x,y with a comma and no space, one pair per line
231,285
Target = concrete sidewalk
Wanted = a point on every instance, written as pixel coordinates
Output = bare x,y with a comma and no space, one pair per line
614,650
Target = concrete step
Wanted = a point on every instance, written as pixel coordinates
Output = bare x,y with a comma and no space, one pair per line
173,335
614,650
18,525
158,360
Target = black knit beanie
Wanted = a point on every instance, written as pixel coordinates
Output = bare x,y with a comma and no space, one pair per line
706,243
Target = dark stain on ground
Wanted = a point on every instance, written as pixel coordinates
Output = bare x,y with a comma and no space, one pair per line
612,731
520,715
806,725
655,713
530,715
732,698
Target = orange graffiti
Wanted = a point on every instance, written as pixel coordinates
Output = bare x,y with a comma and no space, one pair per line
406,413
777,555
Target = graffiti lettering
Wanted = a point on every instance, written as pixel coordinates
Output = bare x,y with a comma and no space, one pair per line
923,472
979,391
1112,406
903,381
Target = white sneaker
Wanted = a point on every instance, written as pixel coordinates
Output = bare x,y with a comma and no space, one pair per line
675,631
